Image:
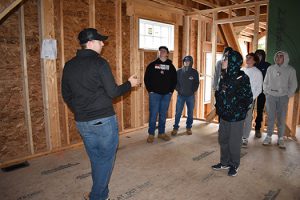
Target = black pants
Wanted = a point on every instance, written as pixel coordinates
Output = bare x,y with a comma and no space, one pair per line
261,100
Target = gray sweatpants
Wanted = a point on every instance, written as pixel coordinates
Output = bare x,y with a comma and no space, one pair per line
230,136
248,122
276,109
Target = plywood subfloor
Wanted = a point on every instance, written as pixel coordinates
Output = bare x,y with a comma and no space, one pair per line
174,170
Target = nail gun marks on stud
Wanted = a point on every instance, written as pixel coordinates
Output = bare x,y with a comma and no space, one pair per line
272,195
61,167
203,155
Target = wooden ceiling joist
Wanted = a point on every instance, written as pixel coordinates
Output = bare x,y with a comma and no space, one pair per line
206,3
234,7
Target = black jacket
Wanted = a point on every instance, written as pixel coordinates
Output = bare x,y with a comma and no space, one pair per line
88,86
160,77
234,95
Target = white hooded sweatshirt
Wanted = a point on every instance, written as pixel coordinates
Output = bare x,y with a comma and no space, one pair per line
280,80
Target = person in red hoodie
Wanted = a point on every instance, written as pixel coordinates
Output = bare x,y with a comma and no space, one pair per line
160,80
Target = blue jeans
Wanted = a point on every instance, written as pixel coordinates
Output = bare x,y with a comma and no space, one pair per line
100,138
158,104
190,102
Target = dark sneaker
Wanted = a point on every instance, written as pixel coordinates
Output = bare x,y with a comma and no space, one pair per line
164,137
257,133
233,171
219,166
244,142
150,139
280,143
174,132
189,131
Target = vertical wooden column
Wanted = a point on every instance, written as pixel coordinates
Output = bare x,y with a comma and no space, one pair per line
213,50
200,92
92,13
119,72
49,77
65,121
25,80
135,103
292,115
186,36
256,28
175,60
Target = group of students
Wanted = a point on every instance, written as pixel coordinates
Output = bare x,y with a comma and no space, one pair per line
237,89
88,88
161,79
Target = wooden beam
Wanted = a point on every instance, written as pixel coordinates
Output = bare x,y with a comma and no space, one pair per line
49,78
186,36
65,122
206,3
236,6
256,28
25,80
173,4
200,92
119,61
235,19
214,40
92,11
134,101
9,8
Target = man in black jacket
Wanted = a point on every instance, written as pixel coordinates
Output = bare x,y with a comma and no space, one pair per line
187,85
88,88
261,99
160,80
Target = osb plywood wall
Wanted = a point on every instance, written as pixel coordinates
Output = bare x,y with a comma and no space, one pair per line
149,56
34,75
13,133
75,18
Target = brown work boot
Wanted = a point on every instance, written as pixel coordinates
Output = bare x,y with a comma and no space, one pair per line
189,131
174,132
86,196
150,139
164,137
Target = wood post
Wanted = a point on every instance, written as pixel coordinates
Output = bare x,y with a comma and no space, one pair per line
119,72
49,78
25,80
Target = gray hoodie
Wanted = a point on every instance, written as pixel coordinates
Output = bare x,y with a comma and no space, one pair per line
280,80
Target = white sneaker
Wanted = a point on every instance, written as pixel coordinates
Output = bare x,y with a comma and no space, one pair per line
267,141
280,143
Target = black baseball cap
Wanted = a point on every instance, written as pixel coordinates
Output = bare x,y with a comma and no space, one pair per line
164,47
89,34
